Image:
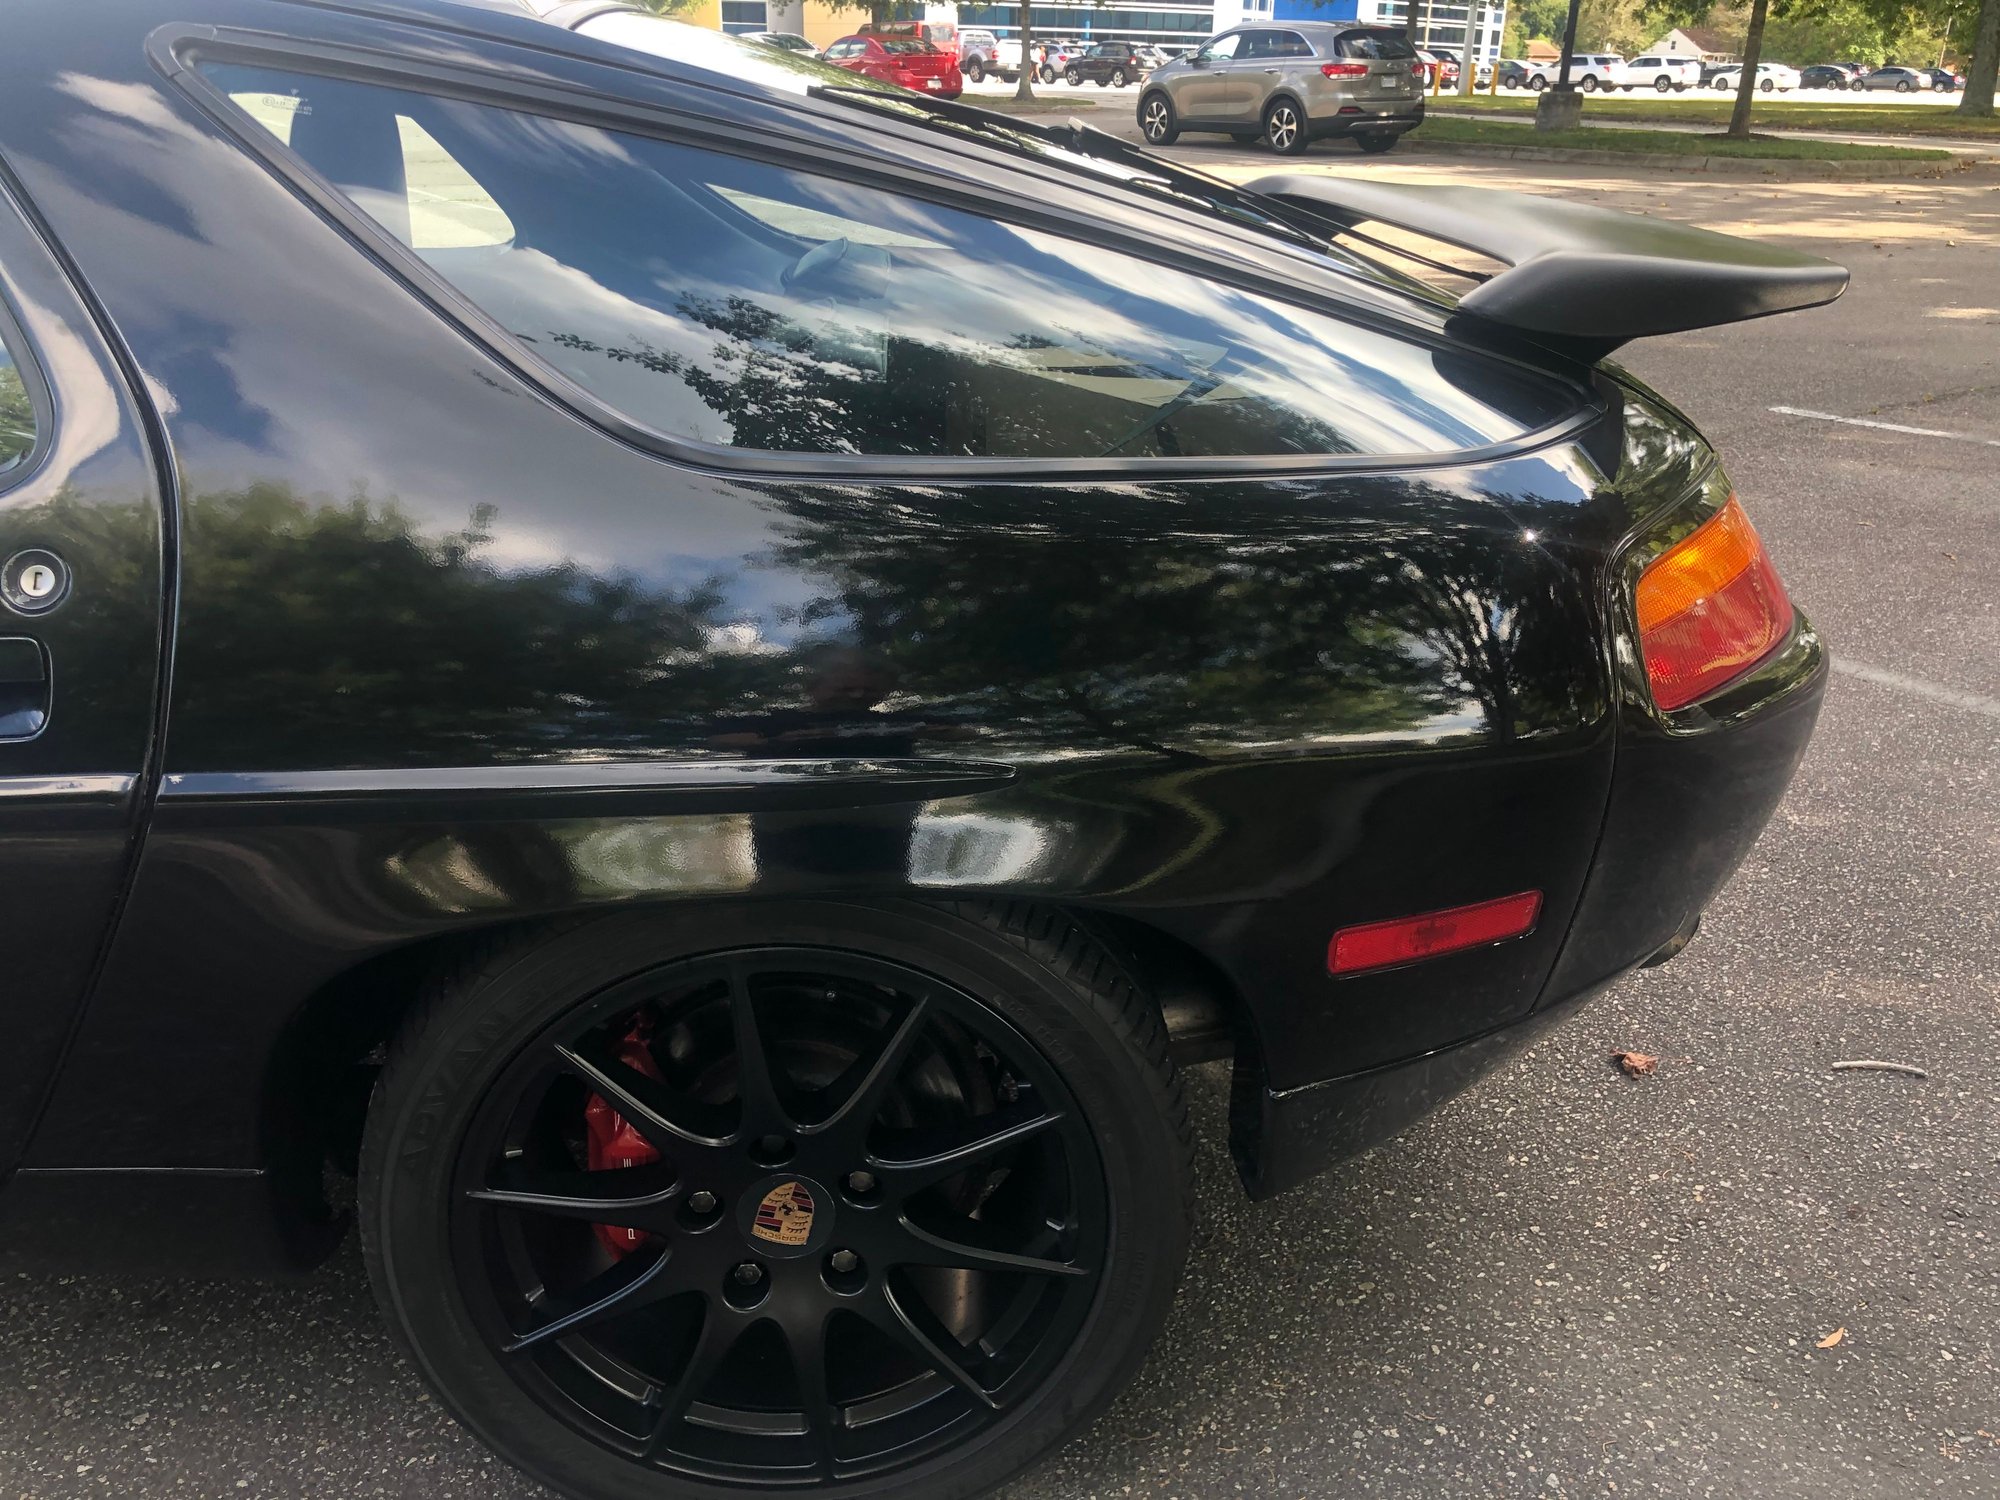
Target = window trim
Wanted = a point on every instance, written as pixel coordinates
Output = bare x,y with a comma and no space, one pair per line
178,51
41,399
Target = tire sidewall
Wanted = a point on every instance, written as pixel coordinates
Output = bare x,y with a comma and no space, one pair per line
428,1095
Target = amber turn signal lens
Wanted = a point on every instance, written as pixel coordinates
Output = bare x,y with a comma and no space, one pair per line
1710,608
1403,940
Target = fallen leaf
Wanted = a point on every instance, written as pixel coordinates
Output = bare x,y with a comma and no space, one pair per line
1637,1064
1832,1338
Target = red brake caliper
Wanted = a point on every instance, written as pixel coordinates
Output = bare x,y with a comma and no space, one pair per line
613,1141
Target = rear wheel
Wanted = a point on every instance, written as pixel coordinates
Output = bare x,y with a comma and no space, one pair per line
1285,127
1048,74
1374,142
1903,86
1589,84
1663,83
1072,77
1767,85
1156,120
975,71
864,1201
1118,79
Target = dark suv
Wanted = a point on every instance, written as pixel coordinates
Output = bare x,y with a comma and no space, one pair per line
1109,64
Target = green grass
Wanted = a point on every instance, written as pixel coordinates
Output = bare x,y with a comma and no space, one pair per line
1046,102
1663,142
1858,118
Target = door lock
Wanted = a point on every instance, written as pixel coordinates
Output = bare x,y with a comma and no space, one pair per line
34,582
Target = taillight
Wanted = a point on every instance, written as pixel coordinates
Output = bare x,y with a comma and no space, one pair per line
1710,607
1344,70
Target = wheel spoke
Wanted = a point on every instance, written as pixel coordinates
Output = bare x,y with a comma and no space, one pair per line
808,1345
917,1159
628,1198
623,1288
864,1100
756,1084
719,1333
920,1247
645,1103
905,1326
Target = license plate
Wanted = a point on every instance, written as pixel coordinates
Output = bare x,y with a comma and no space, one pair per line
933,83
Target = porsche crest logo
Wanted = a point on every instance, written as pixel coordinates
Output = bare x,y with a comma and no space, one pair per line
785,1215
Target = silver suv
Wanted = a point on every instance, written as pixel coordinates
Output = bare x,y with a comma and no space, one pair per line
1290,85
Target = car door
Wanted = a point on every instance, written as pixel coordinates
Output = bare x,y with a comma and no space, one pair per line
80,628
1253,76
1203,95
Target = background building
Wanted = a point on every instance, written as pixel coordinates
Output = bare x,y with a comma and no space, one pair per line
1440,23
1178,25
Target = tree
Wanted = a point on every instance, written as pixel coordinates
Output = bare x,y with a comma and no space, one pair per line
1981,76
1025,89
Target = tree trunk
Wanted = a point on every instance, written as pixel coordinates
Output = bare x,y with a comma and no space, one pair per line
1746,86
1980,74
1410,22
1025,89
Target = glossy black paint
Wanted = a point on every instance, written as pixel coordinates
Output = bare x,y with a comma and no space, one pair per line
449,654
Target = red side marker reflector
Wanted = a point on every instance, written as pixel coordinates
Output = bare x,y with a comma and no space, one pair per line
1403,940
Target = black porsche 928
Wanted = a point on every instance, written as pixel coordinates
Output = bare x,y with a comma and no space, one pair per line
707,673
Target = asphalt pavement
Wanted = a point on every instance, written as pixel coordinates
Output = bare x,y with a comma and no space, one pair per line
1746,1275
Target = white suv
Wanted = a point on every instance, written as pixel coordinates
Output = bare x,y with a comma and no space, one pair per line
1658,71
1591,71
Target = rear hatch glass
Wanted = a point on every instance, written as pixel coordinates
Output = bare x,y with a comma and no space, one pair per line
1389,56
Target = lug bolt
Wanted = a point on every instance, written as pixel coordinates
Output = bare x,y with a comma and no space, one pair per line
702,1203
861,1182
749,1273
844,1261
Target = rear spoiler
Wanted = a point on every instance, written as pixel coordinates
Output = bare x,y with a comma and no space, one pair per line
1588,278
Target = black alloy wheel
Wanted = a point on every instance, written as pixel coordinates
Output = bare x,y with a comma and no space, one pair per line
1285,127
780,1215
1156,120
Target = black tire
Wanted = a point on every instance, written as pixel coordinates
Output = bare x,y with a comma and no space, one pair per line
1904,86
1118,78
1375,142
1048,74
1663,83
1072,77
436,1175
1680,88
975,71
1285,127
1765,85
1157,121
1538,83
1589,84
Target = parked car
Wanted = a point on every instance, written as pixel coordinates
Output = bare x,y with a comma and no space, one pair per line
1825,76
1944,80
1591,71
1007,57
784,41
695,766
978,53
1440,69
905,60
1856,69
1902,80
1658,71
1290,85
1770,77
1155,57
1518,73
1058,53
1108,64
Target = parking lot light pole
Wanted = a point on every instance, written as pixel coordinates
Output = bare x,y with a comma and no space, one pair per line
1561,108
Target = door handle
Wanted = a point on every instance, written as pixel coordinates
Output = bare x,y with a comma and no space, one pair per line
24,688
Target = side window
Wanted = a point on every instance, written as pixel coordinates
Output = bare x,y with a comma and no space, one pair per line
1223,48
17,415
725,301
1291,44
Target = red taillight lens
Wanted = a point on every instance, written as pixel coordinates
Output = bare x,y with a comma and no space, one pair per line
1403,940
1344,70
1710,607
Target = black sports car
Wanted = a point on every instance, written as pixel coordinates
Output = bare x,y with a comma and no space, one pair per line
708,673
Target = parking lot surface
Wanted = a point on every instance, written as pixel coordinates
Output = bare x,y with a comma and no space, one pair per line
1568,1282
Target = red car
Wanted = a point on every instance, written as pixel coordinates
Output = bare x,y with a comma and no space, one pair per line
913,63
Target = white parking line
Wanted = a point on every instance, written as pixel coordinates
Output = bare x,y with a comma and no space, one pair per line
1919,687
1827,416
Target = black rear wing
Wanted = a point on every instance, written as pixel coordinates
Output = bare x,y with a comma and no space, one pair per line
1590,278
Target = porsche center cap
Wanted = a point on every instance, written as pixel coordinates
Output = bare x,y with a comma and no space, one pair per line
788,1215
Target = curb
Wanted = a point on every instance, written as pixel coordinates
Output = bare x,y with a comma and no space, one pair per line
1774,168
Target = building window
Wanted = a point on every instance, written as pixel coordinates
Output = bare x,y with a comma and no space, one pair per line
739,16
